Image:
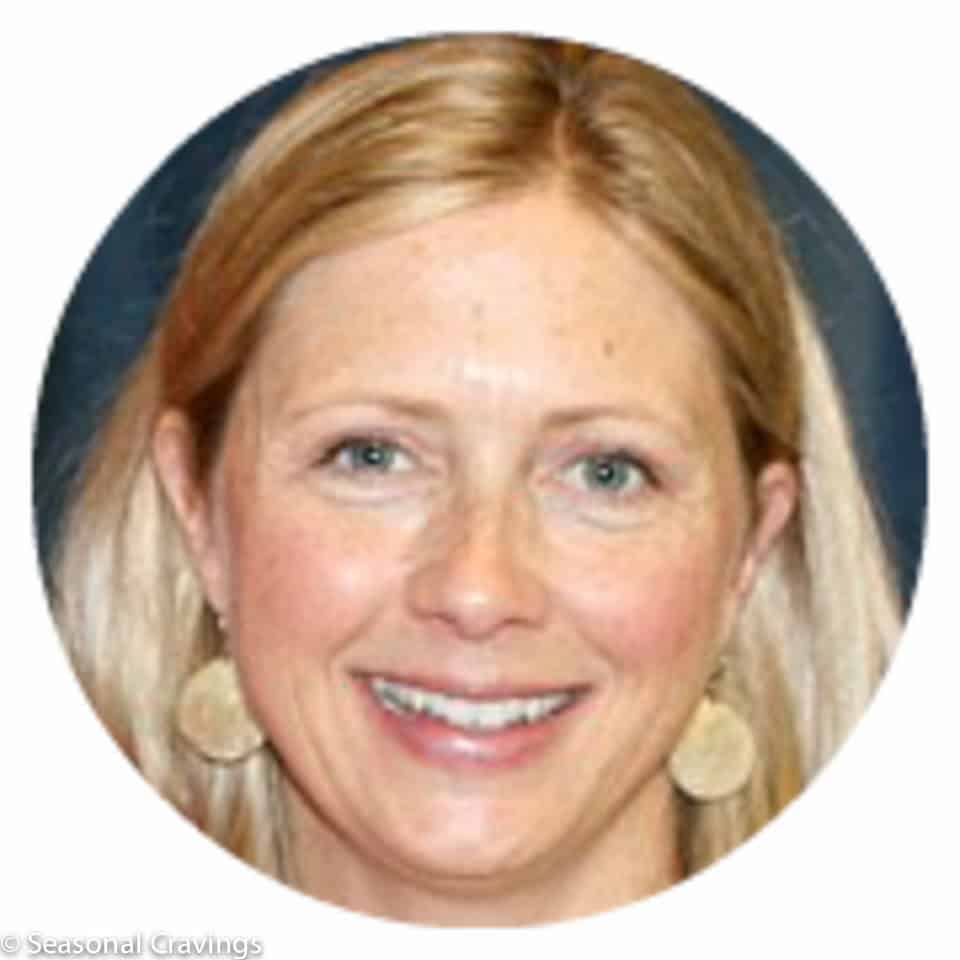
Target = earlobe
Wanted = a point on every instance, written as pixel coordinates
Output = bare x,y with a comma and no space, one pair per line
174,460
776,492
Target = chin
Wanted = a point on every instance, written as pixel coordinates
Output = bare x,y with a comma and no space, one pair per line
466,844
466,865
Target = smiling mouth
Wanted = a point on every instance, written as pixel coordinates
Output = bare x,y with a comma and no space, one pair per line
467,714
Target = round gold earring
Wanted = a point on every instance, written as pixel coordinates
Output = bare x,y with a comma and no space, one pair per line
716,753
212,714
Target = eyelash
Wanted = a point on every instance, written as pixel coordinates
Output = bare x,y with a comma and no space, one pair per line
358,443
641,475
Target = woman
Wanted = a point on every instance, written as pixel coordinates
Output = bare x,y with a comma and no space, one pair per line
465,546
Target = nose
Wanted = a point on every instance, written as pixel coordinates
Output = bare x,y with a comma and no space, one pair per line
475,574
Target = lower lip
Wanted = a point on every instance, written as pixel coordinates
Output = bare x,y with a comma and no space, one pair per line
438,744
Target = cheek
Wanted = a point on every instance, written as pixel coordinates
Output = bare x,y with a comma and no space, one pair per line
651,611
301,589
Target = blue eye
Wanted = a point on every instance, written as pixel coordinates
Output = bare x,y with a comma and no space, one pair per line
366,455
612,473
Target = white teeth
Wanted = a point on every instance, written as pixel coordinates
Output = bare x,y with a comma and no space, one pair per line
467,714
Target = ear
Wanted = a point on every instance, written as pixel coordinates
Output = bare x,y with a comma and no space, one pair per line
775,495
174,458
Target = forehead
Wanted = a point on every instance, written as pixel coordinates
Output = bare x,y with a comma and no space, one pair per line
533,301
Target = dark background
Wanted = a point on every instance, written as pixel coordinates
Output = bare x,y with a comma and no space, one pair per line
112,307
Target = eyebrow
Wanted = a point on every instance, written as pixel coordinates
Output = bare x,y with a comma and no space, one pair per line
426,410
410,407
573,416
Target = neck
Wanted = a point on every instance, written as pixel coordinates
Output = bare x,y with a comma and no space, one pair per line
634,857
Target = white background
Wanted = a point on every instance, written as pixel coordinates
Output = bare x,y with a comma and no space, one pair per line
96,94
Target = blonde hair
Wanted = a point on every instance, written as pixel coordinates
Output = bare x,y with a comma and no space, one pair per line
400,139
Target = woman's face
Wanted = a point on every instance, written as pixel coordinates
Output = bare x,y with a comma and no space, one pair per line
479,530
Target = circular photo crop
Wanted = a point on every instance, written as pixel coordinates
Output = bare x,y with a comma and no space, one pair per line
480,480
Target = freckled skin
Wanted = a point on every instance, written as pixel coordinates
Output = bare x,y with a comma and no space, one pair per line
484,557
